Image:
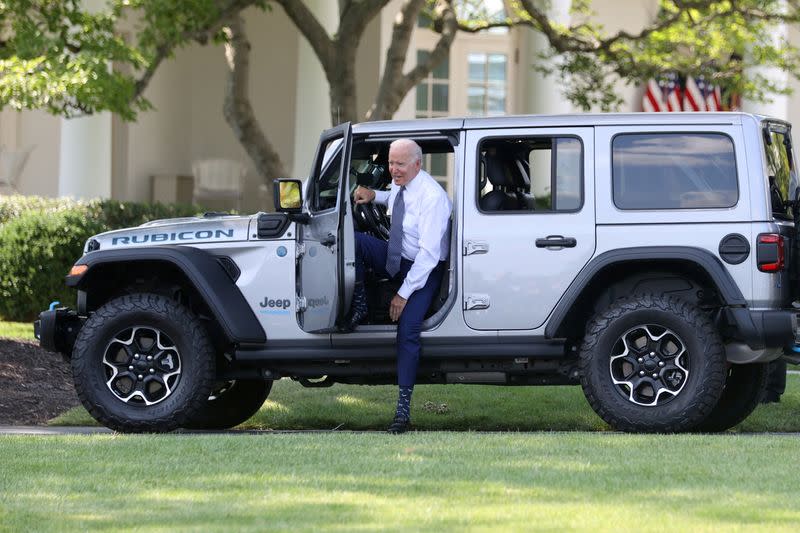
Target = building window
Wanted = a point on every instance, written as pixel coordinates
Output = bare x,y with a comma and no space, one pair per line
433,100
487,86
433,93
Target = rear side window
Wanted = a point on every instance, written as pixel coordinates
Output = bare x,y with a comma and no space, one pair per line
674,171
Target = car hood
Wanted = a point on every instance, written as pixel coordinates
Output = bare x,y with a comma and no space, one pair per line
188,230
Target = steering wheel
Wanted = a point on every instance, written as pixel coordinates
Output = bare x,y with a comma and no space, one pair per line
370,218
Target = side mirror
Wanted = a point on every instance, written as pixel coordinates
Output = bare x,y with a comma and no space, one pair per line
288,196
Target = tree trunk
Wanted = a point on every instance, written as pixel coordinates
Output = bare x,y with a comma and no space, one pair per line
239,112
394,84
342,80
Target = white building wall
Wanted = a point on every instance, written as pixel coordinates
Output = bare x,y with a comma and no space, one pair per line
158,142
290,97
41,132
312,107
273,67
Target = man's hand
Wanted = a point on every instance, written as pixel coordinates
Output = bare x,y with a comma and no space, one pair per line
396,307
362,195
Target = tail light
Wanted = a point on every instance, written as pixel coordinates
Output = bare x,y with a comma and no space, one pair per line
770,252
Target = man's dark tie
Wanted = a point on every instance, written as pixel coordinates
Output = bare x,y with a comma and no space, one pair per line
395,248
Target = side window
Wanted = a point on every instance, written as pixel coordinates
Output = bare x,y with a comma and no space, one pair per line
539,175
780,173
325,188
674,171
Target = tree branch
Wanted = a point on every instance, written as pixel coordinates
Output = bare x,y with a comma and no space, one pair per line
237,108
227,9
312,30
395,58
445,14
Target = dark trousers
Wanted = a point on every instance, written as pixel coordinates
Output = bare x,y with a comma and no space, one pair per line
371,254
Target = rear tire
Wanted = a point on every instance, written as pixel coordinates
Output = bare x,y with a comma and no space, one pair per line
652,363
230,404
143,362
744,387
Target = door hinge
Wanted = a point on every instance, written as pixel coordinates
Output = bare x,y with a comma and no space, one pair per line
302,304
300,250
475,247
473,302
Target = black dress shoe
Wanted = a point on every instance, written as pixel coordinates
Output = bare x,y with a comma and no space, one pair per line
351,322
399,425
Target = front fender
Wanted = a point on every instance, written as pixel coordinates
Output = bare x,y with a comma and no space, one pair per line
203,270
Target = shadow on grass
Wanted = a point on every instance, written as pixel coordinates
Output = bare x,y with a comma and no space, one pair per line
456,408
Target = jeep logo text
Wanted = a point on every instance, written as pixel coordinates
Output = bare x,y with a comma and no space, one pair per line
280,304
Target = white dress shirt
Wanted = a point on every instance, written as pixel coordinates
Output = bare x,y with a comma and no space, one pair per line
426,240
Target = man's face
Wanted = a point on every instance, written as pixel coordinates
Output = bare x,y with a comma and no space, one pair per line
403,165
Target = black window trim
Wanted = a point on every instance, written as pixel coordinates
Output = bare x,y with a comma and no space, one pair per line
314,186
779,128
671,132
581,178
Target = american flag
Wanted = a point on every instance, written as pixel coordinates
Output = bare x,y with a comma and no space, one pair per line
653,100
663,94
673,92
713,98
694,95
667,93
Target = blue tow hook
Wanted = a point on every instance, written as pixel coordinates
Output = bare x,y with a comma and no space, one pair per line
796,348
54,304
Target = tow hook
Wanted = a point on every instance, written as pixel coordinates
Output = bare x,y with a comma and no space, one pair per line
57,329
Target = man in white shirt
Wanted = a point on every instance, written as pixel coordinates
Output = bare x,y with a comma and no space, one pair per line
417,249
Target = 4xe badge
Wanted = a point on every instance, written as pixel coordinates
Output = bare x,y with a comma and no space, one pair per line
276,306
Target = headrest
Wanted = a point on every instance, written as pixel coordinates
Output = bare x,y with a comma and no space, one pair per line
497,171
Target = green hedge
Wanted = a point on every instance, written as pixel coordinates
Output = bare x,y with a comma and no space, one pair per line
41,238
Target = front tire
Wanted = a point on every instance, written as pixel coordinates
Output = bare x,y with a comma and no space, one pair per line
652,363
143,362
230,404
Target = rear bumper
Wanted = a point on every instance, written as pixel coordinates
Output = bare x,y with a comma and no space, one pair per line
760,336
57,329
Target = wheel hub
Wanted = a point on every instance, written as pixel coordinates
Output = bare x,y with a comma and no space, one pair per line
142,366
649,365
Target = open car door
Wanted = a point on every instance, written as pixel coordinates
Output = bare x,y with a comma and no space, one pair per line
326,245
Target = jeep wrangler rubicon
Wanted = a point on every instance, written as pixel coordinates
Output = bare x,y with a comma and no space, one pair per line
649,258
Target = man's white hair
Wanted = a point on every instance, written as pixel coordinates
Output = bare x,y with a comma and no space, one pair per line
410,145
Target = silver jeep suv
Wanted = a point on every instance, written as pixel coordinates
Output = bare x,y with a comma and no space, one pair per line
647,257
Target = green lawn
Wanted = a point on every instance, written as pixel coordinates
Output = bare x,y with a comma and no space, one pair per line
571,474
458,408
436,481
16,330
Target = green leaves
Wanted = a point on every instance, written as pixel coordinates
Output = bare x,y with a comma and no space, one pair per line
730,44
56,55
62,59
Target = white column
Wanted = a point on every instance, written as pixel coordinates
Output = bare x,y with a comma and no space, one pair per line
540,94
9,129
778,106
85,157
312,111
85,153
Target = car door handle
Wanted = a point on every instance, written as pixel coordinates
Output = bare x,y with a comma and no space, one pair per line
556,241
330,240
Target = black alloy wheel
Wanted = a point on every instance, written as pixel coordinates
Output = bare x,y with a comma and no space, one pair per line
143,362
652,363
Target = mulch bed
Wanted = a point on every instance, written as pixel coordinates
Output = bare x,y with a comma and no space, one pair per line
35,385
